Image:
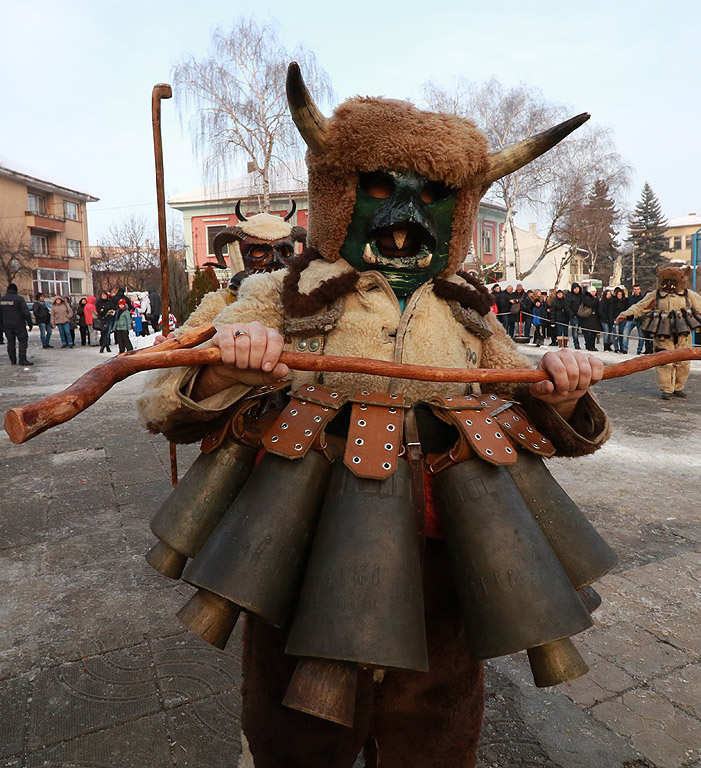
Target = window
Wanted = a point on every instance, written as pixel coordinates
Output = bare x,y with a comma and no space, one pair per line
70,210
35,203
51,282
212,232
690,242
677,245
39,244
73,249
76,285
487,240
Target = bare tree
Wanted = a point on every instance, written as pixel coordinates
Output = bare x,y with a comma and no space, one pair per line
238,92
128,256
16,257
505,116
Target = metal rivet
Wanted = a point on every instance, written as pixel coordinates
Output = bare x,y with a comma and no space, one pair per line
356,459
284,425
543,440
314,345
317,419
487,421
388,446
298,447
301,345
325,410
528,429
307,432
302,402
334,394
508,450
536,446
359,441
506,424
494,397
458,411
386,465
449,399
516,418
363,407
489,452
521,435
391,427
364,393
294,412
310,389
477,436
482,402
392,410
394,397
274,439
362,423
497,435
468,422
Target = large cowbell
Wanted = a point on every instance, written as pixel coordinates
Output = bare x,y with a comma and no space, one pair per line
514,592
255,558
362,599
192,510
584,555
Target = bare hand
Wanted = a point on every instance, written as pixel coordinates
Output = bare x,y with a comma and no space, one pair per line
250,355
571,375
620,319
161,338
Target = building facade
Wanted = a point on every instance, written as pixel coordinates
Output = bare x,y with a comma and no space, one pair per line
52,220
680,233
208,210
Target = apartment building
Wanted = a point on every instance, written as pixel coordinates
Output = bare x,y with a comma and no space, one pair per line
52,220
680,233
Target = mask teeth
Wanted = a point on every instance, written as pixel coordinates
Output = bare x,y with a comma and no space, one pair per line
368,256
399,236
423,263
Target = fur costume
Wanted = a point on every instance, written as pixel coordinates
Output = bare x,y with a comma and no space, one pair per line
671,296
414,719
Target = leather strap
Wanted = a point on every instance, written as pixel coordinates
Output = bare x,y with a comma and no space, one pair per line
514,421
375,434
301,425
416,465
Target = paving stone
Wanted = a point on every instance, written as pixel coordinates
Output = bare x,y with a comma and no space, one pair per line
661,748
77,698
13,711
143,492
683,687
619,718
188,669
79,550
142,743
206,732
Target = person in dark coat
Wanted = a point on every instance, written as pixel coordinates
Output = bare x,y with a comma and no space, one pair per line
619,305
606,317
589,323
573,299
15,319
42,315
527,313
105,314
560,315
155,301
82,322
504,306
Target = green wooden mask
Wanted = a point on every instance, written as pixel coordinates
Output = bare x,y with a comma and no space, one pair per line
401,226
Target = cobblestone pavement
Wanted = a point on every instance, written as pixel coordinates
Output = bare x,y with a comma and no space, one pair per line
96,672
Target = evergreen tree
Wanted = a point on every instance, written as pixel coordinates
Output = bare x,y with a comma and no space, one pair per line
646,228
599,217
204,282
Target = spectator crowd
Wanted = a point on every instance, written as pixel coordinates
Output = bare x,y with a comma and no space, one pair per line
581,314
94,321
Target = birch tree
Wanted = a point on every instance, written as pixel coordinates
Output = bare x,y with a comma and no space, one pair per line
237,92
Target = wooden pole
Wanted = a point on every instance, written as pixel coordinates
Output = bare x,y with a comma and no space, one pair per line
24,422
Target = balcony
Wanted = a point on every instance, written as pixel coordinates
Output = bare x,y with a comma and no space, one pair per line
45,221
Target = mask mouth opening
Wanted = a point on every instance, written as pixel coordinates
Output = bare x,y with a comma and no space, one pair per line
669,285
402,240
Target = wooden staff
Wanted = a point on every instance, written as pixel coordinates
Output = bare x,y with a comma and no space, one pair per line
162,91
27,421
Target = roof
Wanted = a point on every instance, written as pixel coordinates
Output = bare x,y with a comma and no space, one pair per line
690,220
26,176
285,180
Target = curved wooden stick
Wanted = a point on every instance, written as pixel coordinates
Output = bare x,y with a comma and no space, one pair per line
24,422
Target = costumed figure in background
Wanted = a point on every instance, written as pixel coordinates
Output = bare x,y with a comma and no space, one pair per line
369,602
670,315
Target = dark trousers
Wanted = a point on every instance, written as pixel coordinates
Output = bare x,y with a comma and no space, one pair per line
538,334
122,338
14,336
105,334
512,321
84,335
589,340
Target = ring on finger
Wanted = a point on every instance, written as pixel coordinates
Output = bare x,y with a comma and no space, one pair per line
240,333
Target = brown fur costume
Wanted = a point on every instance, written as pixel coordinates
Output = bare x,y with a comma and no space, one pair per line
416,719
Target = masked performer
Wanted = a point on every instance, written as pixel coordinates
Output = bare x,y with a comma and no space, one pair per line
670,314
373,605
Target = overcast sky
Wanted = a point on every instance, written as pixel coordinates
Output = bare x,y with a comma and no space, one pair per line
76,78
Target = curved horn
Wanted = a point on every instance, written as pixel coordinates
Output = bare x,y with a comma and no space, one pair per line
228,235
292,211
311,124
299,235
512,158
239,215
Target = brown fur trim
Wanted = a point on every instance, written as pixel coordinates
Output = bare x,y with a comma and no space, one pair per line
472,296
323,322
471,320
298,304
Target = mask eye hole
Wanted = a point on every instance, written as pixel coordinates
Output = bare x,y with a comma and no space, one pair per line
434,191
257,252
378,185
